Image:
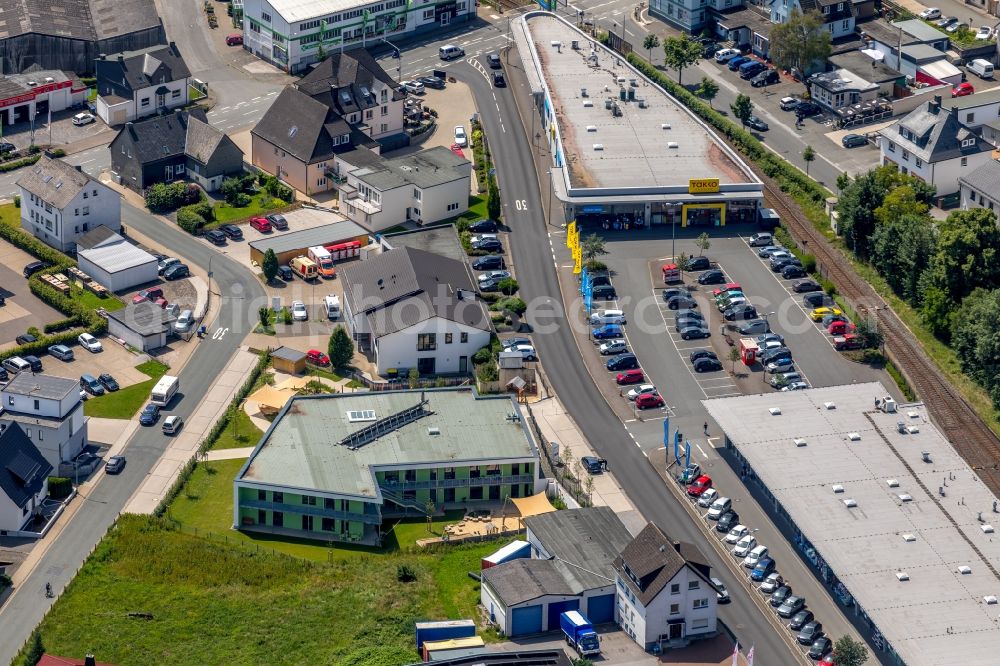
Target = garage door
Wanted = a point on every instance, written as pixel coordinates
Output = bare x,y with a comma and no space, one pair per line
556,609
527,620
601,610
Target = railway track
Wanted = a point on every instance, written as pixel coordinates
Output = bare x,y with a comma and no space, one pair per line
963,427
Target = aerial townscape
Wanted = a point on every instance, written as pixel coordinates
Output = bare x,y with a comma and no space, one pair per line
499,332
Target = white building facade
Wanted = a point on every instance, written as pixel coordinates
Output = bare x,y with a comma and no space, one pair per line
439,345
292,34
49,411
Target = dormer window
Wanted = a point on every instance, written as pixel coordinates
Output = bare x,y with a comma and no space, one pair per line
826,10
968,143
840,6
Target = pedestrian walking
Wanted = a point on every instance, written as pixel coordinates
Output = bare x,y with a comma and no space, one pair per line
705,428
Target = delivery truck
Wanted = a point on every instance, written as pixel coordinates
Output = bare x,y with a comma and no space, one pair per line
304,267
580,633
323,260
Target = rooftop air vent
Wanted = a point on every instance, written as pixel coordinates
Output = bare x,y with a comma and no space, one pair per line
799,441
893,483
49,79
591,128
903,497
32,83
621,80
909,538
854,436
598,146
902,576
673,144
965,570
837,488
587,104
664,126
830,405
583,92
989,599
987,529
850,504
774,411
433,431
642,102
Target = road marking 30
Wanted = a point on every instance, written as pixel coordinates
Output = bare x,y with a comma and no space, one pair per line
219,333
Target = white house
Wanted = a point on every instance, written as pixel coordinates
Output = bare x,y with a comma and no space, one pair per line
113,261
24,479
50,412
981,187
292,34
141,83
932,144
976,110
414,309
60,203
663,597
838,15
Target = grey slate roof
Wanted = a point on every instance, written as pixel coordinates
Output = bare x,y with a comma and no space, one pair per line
161,137
402,287
302,127
112,18
340,81
882,31
94,237
23,469
144,318
55,181
985,178
86,20
427,168
41,386
142,69
523,580
201,140
937,133
288,354
858,63
588,540
648,563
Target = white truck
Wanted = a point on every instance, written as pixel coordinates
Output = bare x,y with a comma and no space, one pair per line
164,390
332,306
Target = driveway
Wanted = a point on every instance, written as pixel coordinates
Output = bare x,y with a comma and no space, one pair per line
23,309
115,360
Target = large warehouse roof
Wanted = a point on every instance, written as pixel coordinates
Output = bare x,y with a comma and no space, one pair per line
908,537
117,255
85,20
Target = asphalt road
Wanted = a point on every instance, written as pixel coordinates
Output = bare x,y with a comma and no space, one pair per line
532,254
64,555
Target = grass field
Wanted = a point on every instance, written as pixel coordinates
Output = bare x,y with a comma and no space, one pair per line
240,434
92,301
214,602
125,403
10,215
260,204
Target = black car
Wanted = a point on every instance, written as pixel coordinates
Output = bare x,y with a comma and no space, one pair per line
807,109
805,286
793,271
214,236
697,264
820,648
854,140
810,632
712,277
752,70
432,82
779,596
702,353
688,314
108,382
598,279
604,292
176,272
33,268
4,375
25,338
775,353
745,311
489,244
626,361
34,362
489,284
278,221
673,292
115,464
777,265
765,78
727,521
695,332
816,300
7,146
232,231
800,619
756,123
707,365
498,80
285,273
488,262
682,303
494,60
483,227
150,414
684,322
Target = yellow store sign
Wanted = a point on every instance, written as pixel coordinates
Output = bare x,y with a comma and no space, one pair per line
703,185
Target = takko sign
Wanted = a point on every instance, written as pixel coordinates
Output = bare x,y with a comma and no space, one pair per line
35,91
703,185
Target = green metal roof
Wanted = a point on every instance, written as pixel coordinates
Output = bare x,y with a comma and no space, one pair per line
303,449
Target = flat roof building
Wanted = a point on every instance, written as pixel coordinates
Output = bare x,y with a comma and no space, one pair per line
895,521
330,467
620,144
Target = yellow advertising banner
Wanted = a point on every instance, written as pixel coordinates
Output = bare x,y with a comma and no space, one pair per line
703,185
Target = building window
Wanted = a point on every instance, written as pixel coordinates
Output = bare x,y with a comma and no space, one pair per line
416,194
967,143
385,110
428,14
447,338
278,497
175,94
427,342
452,206
463,337
309,500
328,524
144,103
692,585
906,155
86,210
846,25
264,16
675,609
307,523
970,117
493,470
965,161
700,603
675,588
262,495
37,405
321,182
449,472
919,162
892,147
309,25
826,10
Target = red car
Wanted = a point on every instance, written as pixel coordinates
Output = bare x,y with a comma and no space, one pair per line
235,39
840,328
728,287
962,90
826,661
316,357
148,295
848,341
162,302
700,485
649,401
261,224
630,377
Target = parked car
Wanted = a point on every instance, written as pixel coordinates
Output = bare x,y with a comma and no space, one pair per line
755,327
649,401
930,13
299,312
800,619
83,119
684,302
607,332
232,231
90,343
792,271
767,251
234,39
150,414
115,465
791,606
486,243
61,352
946,21
719,507
25,339
460,138
737,533
784,379
697,263
789,103
764,568
592,464
633,376
695,332
712,277
721,593
700,485
984,32
707,365
780,365
487,262
172,424
805,286
817,314
820,648
808,109
701,353
764,339
432,82
955,27
673,292
184,321
751,68
483,227
761,239
278,221
150,294
734,63
285,273
604,292
771,583
725,55
626,361
755,556
854,140
779,596
316,357
727,521
795,386
494,61
108,382
261,224
412,87
166,263
176,272
613,347
963,90
642,389
817,299
756,123
739,312
527,352
707,498
765,78
847,341
215,236
744,546
810,632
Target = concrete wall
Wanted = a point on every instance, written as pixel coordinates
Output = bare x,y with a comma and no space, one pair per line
399,350
144,343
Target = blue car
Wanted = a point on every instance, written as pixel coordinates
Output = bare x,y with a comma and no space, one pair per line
150,414
735,63
607,332
763,569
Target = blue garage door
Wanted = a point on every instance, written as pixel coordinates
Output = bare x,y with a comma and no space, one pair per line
555,609
601,610
527,620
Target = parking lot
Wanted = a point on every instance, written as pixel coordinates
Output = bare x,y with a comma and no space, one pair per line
114,360
23,310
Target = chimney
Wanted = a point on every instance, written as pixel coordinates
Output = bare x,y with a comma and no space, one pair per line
78,168
677,546
121,58
935,106
89,660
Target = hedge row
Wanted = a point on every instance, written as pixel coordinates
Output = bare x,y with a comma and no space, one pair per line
63,324
60,487
17,164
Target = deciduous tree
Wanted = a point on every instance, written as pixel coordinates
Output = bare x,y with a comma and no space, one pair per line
649,43
270,265
800,42
707,89
680,53
976,339
808,155
849,652
742,108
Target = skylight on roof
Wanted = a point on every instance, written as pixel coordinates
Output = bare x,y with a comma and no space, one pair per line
292,131
361,415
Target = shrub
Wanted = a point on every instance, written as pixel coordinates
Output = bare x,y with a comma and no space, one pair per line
62,324
60,487
17,164
508,286
829,287
513,304
484,355
595,266
17,201
204,209
36,248
33,330
809,263
34,150
189,220
488,372
405,574
57,152
274,187
162,197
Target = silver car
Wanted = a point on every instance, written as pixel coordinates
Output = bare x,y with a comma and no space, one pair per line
184,322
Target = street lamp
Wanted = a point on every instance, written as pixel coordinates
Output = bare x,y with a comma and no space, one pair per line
399,59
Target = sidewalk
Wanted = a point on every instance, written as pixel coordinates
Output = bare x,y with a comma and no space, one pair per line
183,447
558,426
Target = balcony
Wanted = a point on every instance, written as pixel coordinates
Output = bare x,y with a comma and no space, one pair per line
494,480
371,516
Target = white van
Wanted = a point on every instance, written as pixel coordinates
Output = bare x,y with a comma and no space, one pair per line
332,306
981,68
450,52
164,390
607,317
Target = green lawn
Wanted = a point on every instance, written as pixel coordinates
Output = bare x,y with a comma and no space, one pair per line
125,403
241,432
317,372
214,602
92,301
10,215
477,209
260,204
